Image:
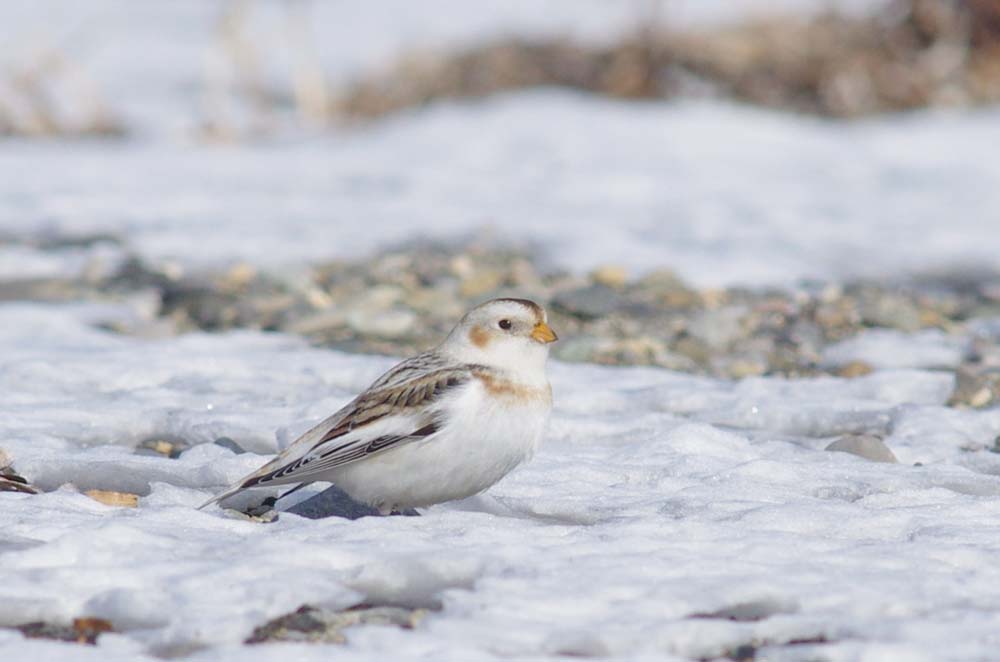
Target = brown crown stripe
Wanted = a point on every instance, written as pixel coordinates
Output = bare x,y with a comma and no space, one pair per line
527,303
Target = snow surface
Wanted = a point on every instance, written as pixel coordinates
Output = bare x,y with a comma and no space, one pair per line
156,60
656,497
885,348
722,194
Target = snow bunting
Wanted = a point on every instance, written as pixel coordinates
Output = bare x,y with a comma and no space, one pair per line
442,425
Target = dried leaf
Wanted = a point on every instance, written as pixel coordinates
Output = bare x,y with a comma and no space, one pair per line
110,498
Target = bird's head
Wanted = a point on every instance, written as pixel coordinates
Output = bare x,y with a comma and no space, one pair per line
509,334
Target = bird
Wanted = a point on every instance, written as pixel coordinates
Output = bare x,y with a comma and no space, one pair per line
440,426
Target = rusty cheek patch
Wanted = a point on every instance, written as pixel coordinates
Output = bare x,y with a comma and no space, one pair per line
479,337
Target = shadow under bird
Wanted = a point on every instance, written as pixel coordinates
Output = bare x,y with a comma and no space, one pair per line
442,425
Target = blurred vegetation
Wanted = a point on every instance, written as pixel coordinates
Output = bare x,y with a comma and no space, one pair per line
910,54
34,94
913,54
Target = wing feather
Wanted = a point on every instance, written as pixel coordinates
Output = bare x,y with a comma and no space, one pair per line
411,391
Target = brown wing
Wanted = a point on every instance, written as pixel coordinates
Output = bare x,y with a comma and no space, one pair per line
411,387
346,440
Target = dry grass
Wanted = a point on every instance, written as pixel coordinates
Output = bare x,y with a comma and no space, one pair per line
50,97
915,54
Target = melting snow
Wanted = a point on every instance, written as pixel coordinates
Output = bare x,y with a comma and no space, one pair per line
658,497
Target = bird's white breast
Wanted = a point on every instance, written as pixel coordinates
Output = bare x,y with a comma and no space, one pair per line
488,428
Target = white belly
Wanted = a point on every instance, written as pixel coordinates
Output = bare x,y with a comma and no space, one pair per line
485,437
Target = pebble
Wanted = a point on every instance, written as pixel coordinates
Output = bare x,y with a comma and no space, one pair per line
590,302
718,328
317,625
263,514
404,301
171,448
82,631
480,282
890,311
869,446
610,275
976,387
116,499
393,323
853,369
229,443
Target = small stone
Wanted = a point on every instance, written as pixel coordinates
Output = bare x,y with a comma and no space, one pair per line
380,297
481,282
981,398
577,349
318,298
171,448
591,302
238,277
976,388
229,443
318,322
116,499
718,328
853,369
523,274
261,514
693,348
714,297
393,323
868,446
316,625
88,629
637,350
83,630
661,279
990,290
667,289
610,275
462,266
890,310
742,368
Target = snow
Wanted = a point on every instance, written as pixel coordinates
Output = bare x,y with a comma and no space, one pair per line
659,500
885,348
657,496
183,54
721,194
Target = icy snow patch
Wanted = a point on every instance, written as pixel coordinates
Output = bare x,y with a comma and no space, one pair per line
885,348
721,194
156,62
659,500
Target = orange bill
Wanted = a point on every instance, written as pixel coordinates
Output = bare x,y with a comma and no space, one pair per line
543,334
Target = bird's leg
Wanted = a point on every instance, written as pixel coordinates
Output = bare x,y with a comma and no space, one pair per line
405,512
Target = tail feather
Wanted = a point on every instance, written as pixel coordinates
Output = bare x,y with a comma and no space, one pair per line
266,475
222,496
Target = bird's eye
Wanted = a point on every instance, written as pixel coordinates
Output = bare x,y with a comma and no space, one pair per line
505,324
